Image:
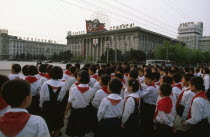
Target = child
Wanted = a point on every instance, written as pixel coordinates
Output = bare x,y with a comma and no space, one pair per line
17,121
112,71
25,71
78,102
149,98
199,110
130,120
156,79
184,102
35,89
110,111
141,75
177,86
42,71
164,112
93,75
47,75
102,92
97,85
15,70
67,73
3,105
71,80
206,78
51,96
126,71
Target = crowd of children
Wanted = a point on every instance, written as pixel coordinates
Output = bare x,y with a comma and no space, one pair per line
107,100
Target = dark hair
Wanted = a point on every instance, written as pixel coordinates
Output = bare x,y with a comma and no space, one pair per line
103,66
76,72
133,73
197,70
56,72
126,69
101,72
177,77
208,94
165,89
93,68
68,66
85,68
15,91
105,79
72,69
197,82
167,79
77,65
115,85
186,69
206,70
187,77
32,70
120,69
84,77
134,84
148,71
97,66
43,68
16,68
49,67
113,69
3,79
119,75
141,70
150,76
108,71
25,70
156,75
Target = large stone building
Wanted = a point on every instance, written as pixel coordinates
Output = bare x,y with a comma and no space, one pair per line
11,46
124,38
192,34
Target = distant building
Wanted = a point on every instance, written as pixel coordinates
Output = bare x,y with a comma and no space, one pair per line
11,46
192,34
123,37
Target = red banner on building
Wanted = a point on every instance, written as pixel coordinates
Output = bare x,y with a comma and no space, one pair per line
94,26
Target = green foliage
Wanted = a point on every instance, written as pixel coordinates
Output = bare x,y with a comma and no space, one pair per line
180,54
66,55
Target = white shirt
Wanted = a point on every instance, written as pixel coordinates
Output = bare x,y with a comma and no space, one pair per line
186,102
176,92
35,87
78,99
66,76
200,110
70,82
129,107
92,82
141,79
107,110
149,95
38,76
206,81
100,94
43,79
15,76
35,127
3,111
44,92
96,87
164,118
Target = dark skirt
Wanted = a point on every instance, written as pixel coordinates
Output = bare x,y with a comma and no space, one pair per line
163,130
180,110
109,127
131,128
78,122
34,107
52,113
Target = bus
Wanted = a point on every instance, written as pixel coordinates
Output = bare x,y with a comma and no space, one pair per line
159,62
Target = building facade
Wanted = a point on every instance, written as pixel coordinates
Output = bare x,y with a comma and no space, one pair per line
11,46
192,34
123,38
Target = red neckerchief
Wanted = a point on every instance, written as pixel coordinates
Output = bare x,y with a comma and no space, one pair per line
201,94
3,103
13,122
31,79
126,74
152,85
63,80
180,97
42,74
105,90
83,89
47,76
178,86
113,101
95,77
165,105
76,83
67,72
123,81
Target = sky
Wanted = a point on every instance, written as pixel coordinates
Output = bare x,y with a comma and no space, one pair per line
51,19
